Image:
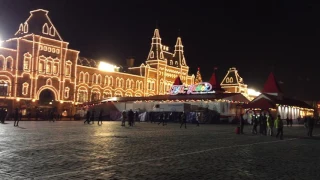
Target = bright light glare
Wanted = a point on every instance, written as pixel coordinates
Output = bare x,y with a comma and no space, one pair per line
103,66
252,92
1,42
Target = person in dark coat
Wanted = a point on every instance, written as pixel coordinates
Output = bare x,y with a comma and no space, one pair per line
92,116
263,124
183,120
130,117
88,115
255,124
16,117
136,117
162,119
311,123
100,117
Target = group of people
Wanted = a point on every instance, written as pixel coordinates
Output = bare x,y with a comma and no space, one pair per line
129,116
164,117
90,117
268,123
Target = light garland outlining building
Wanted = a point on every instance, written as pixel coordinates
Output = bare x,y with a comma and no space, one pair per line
38,64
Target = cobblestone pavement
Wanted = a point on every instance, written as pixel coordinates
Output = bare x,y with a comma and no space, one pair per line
72,150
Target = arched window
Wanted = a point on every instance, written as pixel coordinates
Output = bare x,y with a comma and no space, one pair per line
26,28
94,78
161,55
161,86
95,95
55,68
45,29
52,31
2,60
171,62
118,94
151,54
81,77
4,88
86,77
68,68
42,60
48,67
82,95
9,63
106,94
25,87
98,79
26,61
66,92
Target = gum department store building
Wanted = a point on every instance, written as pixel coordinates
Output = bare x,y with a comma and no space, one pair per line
37,63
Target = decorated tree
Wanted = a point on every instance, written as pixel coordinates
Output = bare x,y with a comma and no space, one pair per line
198,77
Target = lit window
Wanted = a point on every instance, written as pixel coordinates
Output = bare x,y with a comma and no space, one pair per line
68,68
26,28
25,87
52,31
48,68
9,64
26,62
152,54
4,87
55,69
66,92
41,66
45,29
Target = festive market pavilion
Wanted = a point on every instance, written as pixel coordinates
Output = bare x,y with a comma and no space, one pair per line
194,98
273,101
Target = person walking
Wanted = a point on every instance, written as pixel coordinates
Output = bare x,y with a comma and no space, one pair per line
278,124
130,117
88,115
311,123
255,124
162,118
183,120
100,117
198,117
270,125
92,116
124,118
16,117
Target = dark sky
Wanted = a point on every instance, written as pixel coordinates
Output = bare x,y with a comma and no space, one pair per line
256,37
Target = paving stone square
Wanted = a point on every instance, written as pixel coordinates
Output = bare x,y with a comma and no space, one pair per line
73,150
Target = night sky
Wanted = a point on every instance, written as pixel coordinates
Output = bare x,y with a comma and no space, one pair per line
256,38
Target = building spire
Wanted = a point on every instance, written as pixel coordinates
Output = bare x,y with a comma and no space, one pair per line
271,86
178,55
155,50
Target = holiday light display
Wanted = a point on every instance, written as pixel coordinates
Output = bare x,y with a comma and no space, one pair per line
198,77
200,88
47,63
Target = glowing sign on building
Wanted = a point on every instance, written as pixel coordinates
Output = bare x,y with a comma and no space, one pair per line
200,88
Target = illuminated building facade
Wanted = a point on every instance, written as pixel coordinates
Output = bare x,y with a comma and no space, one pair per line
38,64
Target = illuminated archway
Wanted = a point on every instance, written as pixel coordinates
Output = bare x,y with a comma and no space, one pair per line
47,97
55,92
